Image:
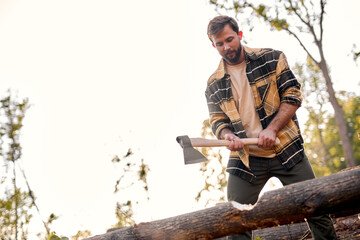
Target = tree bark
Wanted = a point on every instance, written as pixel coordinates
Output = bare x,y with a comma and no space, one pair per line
338,192
339,116
284,232
346,228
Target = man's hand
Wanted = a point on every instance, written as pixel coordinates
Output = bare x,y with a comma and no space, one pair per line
267,138
236,143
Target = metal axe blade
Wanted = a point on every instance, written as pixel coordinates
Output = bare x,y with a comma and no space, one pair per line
191,155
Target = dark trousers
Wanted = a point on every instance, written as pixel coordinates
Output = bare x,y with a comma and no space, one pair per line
244,192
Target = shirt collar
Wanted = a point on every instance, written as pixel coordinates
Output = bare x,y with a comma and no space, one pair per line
251,54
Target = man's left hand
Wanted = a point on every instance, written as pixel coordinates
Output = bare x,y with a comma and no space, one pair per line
267,138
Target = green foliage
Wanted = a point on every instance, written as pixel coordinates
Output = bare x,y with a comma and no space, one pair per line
279,14
355,52
350,103
81,235
53,236
293,17
11,223
128,166
142,173
12,114
261,11
78,236
322,142
124,214
279,24
258,238
15,204
130,171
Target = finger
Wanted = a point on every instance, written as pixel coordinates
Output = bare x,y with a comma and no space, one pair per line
265,144
269,143
261,141
235,145
231,145
239,144
272,143
229,137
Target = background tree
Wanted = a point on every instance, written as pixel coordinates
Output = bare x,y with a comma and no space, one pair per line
316,104
322,141
351,105
302,20
16,204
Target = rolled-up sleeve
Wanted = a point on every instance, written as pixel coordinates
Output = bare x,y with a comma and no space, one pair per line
288,85
218,119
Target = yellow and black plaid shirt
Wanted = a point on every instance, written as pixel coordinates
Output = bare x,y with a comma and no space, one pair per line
272,83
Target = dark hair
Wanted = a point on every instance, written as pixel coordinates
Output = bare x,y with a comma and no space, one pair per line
217,24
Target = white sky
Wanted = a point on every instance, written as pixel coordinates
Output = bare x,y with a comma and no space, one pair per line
103,76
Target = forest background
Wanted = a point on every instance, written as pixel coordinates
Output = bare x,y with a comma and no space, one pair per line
109,85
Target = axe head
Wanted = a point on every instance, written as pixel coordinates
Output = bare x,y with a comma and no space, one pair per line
191,155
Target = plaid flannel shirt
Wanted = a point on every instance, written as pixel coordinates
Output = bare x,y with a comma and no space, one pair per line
272,83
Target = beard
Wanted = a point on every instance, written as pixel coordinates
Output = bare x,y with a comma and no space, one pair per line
236,57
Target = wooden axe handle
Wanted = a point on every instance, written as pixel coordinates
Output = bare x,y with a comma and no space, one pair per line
202,142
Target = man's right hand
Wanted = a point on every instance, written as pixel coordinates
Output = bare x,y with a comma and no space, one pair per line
236,143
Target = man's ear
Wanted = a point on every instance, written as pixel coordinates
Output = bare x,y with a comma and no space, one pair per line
240,35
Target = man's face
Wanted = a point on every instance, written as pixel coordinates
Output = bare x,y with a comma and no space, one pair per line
227,42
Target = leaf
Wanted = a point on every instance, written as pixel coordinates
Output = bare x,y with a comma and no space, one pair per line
54,237
129,153
116,159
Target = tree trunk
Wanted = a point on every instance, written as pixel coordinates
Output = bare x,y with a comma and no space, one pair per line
289,204
324,153
339,117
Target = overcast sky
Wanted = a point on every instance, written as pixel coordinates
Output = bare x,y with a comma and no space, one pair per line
104,76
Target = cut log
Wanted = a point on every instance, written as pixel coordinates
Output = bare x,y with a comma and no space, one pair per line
346,228
284,232
335,193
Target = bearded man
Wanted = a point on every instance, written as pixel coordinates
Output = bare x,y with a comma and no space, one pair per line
253,93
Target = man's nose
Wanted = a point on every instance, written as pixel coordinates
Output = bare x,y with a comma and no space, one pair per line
226,47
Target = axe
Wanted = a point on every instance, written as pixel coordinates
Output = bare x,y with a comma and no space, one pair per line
191,155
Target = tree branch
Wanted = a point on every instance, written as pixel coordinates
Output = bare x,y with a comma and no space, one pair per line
307,10
302,45
31,194
322,3
307,23
298,14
